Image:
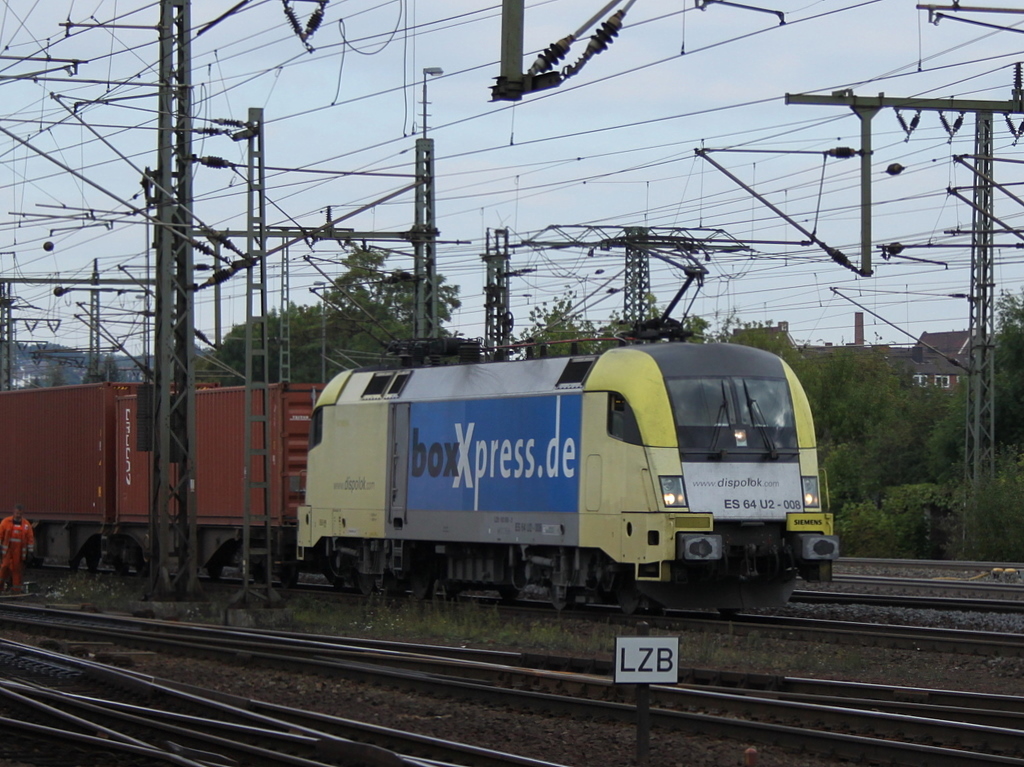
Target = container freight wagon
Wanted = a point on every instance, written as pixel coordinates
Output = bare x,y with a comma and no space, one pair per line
220,462
671,474
58,461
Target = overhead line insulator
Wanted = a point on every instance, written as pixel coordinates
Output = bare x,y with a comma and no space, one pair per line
599,41
551,55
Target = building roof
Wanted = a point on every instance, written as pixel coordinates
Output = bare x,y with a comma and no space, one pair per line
951,343
919,360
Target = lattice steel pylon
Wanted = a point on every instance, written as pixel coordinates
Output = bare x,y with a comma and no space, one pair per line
636,278
174,555
257,527
284,328
497,316
979,458
425,320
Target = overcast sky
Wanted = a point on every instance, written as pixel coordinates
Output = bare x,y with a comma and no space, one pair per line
612,147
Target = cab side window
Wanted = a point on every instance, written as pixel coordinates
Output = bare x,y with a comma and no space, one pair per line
621,420
316,428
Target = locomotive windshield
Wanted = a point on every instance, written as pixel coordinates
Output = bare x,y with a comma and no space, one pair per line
747,415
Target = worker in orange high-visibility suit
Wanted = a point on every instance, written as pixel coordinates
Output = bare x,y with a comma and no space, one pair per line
17,544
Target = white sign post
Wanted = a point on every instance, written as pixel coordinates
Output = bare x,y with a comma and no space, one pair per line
644,660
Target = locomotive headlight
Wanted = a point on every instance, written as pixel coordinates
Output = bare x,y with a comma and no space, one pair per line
740,435
811,498
672,491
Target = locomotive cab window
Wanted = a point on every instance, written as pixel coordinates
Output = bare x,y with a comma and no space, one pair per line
746,415
316,427
621,420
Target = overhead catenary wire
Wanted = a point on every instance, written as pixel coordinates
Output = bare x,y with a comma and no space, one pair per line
591,179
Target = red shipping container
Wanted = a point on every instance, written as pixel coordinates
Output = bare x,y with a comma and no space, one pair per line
220,456
56,452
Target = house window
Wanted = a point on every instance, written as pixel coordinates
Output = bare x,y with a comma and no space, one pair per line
920,379
942,381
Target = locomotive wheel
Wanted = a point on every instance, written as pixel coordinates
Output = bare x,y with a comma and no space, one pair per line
330,568
629,598
560,597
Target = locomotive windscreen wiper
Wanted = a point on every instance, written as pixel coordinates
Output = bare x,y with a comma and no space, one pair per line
722,419
762,426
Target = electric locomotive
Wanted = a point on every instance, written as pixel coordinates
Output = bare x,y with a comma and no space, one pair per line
668,474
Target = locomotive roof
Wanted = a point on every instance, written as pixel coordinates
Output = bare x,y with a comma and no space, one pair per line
549,374
538,376
681,359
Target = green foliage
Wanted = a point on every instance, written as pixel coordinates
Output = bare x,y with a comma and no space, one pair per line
946,439
989,524
882,441
447,621
563,331
361,312
760,335
898,527
1009,364
872,423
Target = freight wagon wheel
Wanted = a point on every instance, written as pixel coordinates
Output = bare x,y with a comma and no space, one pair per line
508,594
366,583
422,583
448,590
289,576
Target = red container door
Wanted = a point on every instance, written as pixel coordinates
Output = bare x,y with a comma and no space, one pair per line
133,465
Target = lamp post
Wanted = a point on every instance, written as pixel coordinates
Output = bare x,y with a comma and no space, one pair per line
428,72
323,329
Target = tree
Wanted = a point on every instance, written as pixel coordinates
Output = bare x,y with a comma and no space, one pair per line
360,313
1009,369
562,330
109,371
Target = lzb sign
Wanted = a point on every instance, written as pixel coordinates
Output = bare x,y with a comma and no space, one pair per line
640,660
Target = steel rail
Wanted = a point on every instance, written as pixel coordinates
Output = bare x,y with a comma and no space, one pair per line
238,717
912,602
891,725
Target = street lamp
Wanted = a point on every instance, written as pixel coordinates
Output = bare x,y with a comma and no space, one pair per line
323,329
428,72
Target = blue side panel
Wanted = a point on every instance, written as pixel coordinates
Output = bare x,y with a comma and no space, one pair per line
516,454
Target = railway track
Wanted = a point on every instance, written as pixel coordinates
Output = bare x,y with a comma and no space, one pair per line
68,710
896,725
